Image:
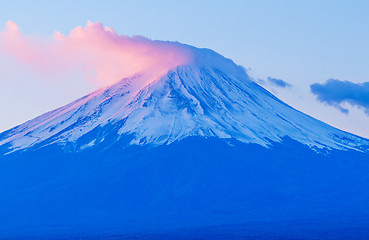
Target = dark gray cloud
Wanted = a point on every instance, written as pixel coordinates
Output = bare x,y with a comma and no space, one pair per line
336,92
278,82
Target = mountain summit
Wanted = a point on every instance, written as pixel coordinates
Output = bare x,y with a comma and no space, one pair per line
197,152
209,97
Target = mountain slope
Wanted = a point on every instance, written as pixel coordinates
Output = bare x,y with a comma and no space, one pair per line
199,152
202,99
187,189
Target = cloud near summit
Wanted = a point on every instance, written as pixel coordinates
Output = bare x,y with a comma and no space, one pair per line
99,52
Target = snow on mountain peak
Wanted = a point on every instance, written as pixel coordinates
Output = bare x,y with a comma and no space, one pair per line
210,96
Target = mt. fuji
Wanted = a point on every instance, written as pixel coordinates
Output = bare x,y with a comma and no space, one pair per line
209,97
199,150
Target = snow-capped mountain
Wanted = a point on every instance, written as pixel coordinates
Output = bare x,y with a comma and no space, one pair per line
197,152
209,97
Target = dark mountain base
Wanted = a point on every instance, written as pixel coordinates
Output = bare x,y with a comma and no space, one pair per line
196,188
259,231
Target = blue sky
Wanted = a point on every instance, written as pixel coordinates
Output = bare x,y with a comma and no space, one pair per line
299,42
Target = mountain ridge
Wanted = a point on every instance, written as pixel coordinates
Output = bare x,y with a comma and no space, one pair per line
189,100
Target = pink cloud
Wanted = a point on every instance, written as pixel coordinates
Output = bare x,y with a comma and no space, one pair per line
99,52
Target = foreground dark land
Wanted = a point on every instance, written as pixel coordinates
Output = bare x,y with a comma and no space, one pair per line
193,189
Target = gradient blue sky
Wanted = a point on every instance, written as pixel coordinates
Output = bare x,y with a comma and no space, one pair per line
300,42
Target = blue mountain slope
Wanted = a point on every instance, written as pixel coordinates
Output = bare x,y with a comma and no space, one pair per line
194,183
